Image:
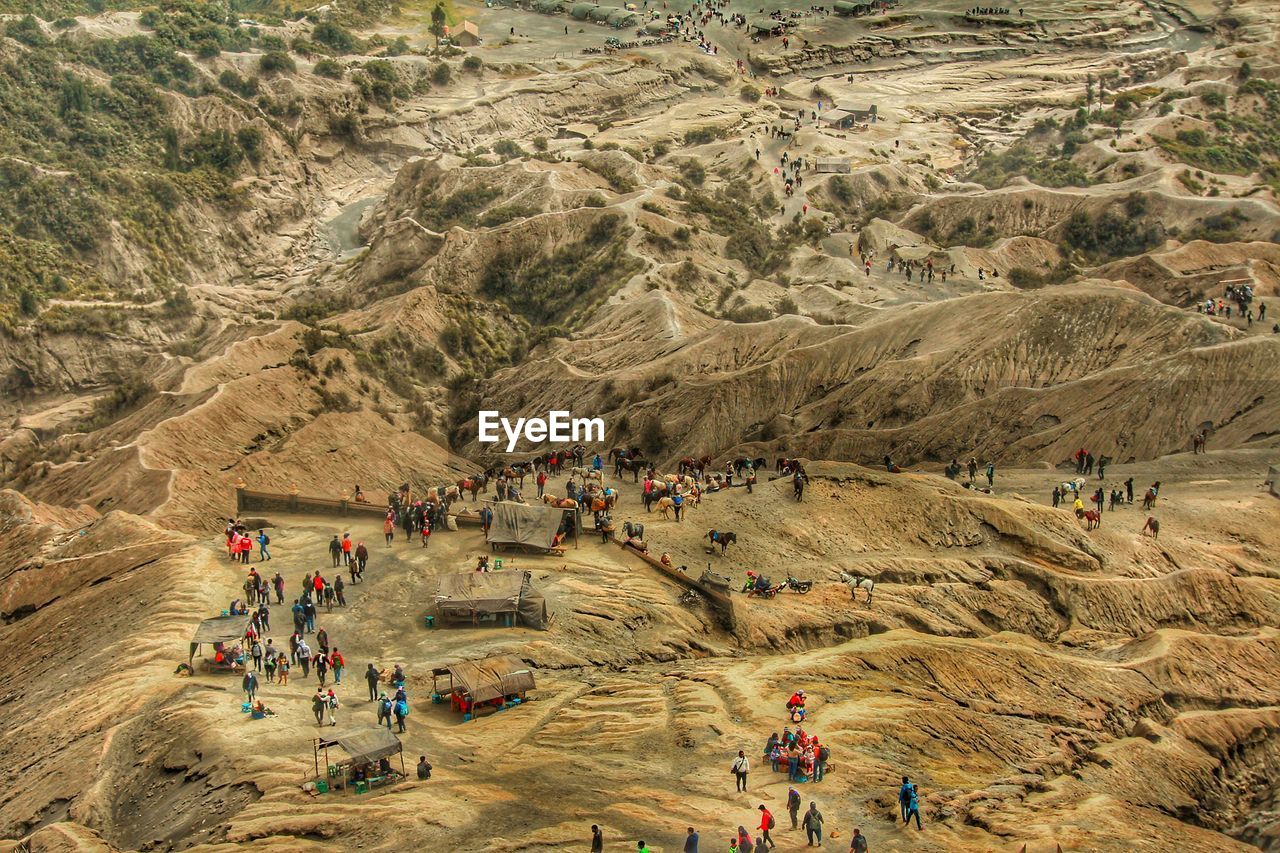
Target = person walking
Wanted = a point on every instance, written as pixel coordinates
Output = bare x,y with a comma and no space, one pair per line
793,807
384,710
321,664
278,581
309,614
304,658
347,545
371,676
858,843
766,823
338,588
740,767
991,474
331,704
337,663
318,703
282,667
250,684
269,665
389,529
335,550
813,824
597,839
904,797
263,541
691,842
820,760
913,808
401,710
256,654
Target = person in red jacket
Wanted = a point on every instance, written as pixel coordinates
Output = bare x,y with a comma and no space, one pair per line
766,824
796,700
542,482
346,549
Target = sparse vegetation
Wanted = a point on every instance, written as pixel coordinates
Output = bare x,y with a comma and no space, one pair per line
548,287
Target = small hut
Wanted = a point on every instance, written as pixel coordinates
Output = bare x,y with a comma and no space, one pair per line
499,598
765,27
221,632
655,28
468,34
621,18
497,682
600,14
841,119
363,748
581,11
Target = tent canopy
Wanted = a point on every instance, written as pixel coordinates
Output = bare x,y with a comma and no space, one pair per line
469,594
220,629
366,746
601,13
480,592
519,524
492,678
581,11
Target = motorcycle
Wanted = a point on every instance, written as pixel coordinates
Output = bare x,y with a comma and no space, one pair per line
799,586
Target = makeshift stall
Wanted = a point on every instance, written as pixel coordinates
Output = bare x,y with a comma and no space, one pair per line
367,763
224,633
499,598
540,529
497,683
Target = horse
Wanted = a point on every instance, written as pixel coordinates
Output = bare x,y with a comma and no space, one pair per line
665,506
625,453
1071,485
586,474
687,463
855,582
724,540
1149,499
635,466
1153,524
559,503
1092,519
451,494
797,486
633,531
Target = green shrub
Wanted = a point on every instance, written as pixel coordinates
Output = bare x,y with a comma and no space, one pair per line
473,64
330,68
276,61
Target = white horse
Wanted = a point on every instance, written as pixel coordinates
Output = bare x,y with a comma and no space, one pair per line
854,582
586,474
1072,485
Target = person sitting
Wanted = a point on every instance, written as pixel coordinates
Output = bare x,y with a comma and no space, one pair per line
788,737
666,560
384,766
798,715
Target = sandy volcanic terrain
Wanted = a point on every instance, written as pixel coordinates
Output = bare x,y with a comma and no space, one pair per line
633,256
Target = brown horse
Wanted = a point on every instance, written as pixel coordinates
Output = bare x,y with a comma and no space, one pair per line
1152,525
1092,519
1149,499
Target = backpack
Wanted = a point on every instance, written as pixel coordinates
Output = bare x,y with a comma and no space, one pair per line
773,823
402,708
824,754
266,540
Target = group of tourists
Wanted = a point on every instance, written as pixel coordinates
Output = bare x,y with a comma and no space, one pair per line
953,470
240,542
